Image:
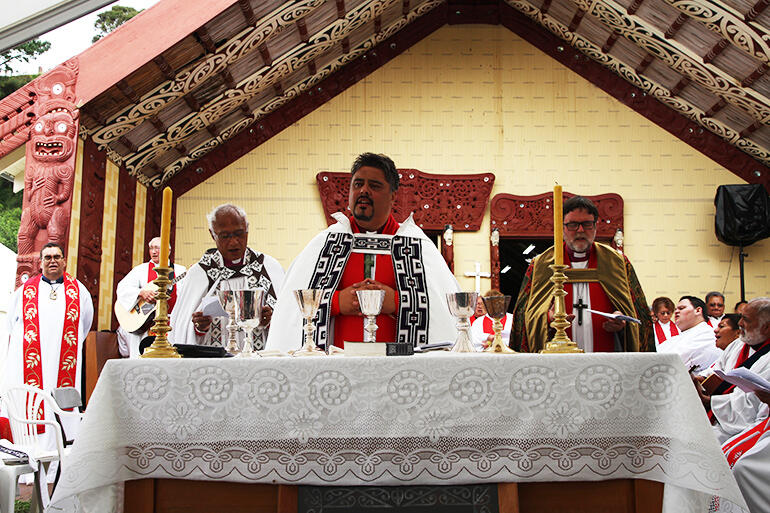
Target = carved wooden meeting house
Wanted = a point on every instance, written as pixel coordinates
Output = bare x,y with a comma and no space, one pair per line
645,106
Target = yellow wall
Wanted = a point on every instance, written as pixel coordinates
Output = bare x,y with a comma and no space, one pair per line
477,98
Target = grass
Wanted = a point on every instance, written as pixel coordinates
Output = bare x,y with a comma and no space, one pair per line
21,507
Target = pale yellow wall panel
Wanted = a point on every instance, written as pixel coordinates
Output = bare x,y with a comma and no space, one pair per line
140,214
74,229
473,99
109,228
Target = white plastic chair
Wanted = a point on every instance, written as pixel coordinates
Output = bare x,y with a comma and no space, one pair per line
22,405
9,477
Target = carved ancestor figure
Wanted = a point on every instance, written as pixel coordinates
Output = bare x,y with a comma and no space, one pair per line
48,181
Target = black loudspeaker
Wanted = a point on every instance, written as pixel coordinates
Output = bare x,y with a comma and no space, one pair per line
743,214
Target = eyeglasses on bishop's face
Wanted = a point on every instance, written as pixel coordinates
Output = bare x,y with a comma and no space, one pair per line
55,258
238,234
587,225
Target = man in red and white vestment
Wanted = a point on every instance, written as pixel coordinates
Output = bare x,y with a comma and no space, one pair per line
695,342
482,328
48,319
745,418
369,250
738,411
132,288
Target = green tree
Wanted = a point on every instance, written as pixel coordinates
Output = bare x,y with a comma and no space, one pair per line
24,52
9,84
108,21
10,214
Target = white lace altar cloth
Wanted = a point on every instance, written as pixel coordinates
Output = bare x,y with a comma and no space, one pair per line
426,419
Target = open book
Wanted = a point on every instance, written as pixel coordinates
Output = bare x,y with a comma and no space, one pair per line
745,379
620,317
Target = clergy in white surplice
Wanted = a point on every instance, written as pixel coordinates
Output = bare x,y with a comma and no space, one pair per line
741,419
232,265
715,307
664,329
695,343
369,250
49,316
133,288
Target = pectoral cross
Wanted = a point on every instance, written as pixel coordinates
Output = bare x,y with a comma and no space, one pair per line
580,307
478,275
369,266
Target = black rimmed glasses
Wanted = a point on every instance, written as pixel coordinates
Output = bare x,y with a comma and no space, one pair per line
587,225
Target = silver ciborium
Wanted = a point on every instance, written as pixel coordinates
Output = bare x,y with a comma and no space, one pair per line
309,300
227,300
248,314
370,302
462,305
497,307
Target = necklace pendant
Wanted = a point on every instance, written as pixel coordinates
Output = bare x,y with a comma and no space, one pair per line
52,295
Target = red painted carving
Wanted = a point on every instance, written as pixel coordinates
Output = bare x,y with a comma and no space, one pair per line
50,165
447,247
531,217
91,218
436,200
124,228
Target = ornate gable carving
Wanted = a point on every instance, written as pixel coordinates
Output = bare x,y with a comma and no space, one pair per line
532,217
435,199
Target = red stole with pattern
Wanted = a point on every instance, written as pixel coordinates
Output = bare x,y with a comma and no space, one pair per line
604,341
734,449
31,354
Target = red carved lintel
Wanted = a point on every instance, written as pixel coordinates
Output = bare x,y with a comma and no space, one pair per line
435,199
531,217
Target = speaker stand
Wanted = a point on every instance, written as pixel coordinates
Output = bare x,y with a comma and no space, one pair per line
741,256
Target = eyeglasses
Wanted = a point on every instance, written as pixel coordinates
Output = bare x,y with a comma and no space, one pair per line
587,225
238,234
55,258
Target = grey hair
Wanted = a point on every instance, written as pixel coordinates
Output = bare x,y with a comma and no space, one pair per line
762,304
211,216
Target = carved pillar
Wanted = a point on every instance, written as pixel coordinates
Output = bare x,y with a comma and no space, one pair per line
447,247
494,258
91,220
50,167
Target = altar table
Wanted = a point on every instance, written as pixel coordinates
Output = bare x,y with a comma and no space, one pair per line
430,419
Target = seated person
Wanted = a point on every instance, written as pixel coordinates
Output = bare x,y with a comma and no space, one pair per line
748,454
664,329
736,411
695,344
482,330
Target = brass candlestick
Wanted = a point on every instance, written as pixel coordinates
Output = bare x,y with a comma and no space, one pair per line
561,342
161,348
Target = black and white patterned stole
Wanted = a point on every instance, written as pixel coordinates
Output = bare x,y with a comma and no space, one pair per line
327,275
254,272
414,306
406,254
